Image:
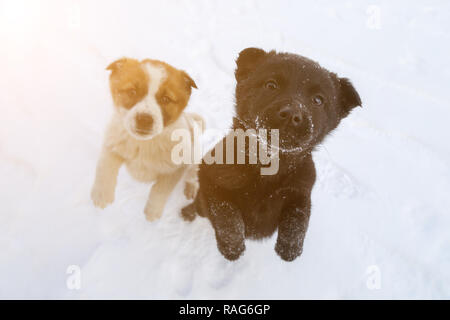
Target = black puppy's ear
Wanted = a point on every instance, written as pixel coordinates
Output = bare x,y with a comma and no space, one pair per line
247,61
348,94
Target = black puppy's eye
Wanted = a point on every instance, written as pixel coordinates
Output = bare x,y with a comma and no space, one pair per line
318,99
271,85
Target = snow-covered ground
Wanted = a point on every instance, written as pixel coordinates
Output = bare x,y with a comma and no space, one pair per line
380,219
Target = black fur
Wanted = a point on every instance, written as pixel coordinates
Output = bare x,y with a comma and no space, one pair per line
305,102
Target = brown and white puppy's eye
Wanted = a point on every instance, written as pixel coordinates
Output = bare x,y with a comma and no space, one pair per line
318,99
128,82
166,100
174,93
271,84
130,92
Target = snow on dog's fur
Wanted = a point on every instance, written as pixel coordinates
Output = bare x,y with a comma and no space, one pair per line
149,98
305,102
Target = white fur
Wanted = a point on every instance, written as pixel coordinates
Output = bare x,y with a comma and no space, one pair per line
149,105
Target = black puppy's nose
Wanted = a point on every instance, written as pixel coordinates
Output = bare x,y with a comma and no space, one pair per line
291,113
297,118
144,121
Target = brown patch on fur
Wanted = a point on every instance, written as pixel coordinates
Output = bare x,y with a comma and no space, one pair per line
128,82
174,93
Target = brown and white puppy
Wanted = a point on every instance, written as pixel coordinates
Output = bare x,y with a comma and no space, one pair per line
149,98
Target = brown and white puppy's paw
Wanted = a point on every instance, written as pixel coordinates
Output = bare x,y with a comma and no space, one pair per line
191,185
153,211
108,166
190,189
159,194
102,196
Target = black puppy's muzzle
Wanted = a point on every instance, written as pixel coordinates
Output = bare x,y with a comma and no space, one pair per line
293,120
290,115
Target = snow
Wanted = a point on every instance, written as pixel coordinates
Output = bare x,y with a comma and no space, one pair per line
381,202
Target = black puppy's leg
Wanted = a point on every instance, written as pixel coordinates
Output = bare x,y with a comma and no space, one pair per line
292,230
227,221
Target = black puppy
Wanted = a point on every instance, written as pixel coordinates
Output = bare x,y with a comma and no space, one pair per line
305,102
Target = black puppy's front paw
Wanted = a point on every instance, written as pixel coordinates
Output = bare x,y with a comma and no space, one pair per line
288,251
231,250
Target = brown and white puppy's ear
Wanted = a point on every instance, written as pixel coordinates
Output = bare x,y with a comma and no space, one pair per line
117,64
128,82
348,96
188,80
247,61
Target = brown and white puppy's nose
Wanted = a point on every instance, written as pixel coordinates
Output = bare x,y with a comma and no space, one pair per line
290,114
144,122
